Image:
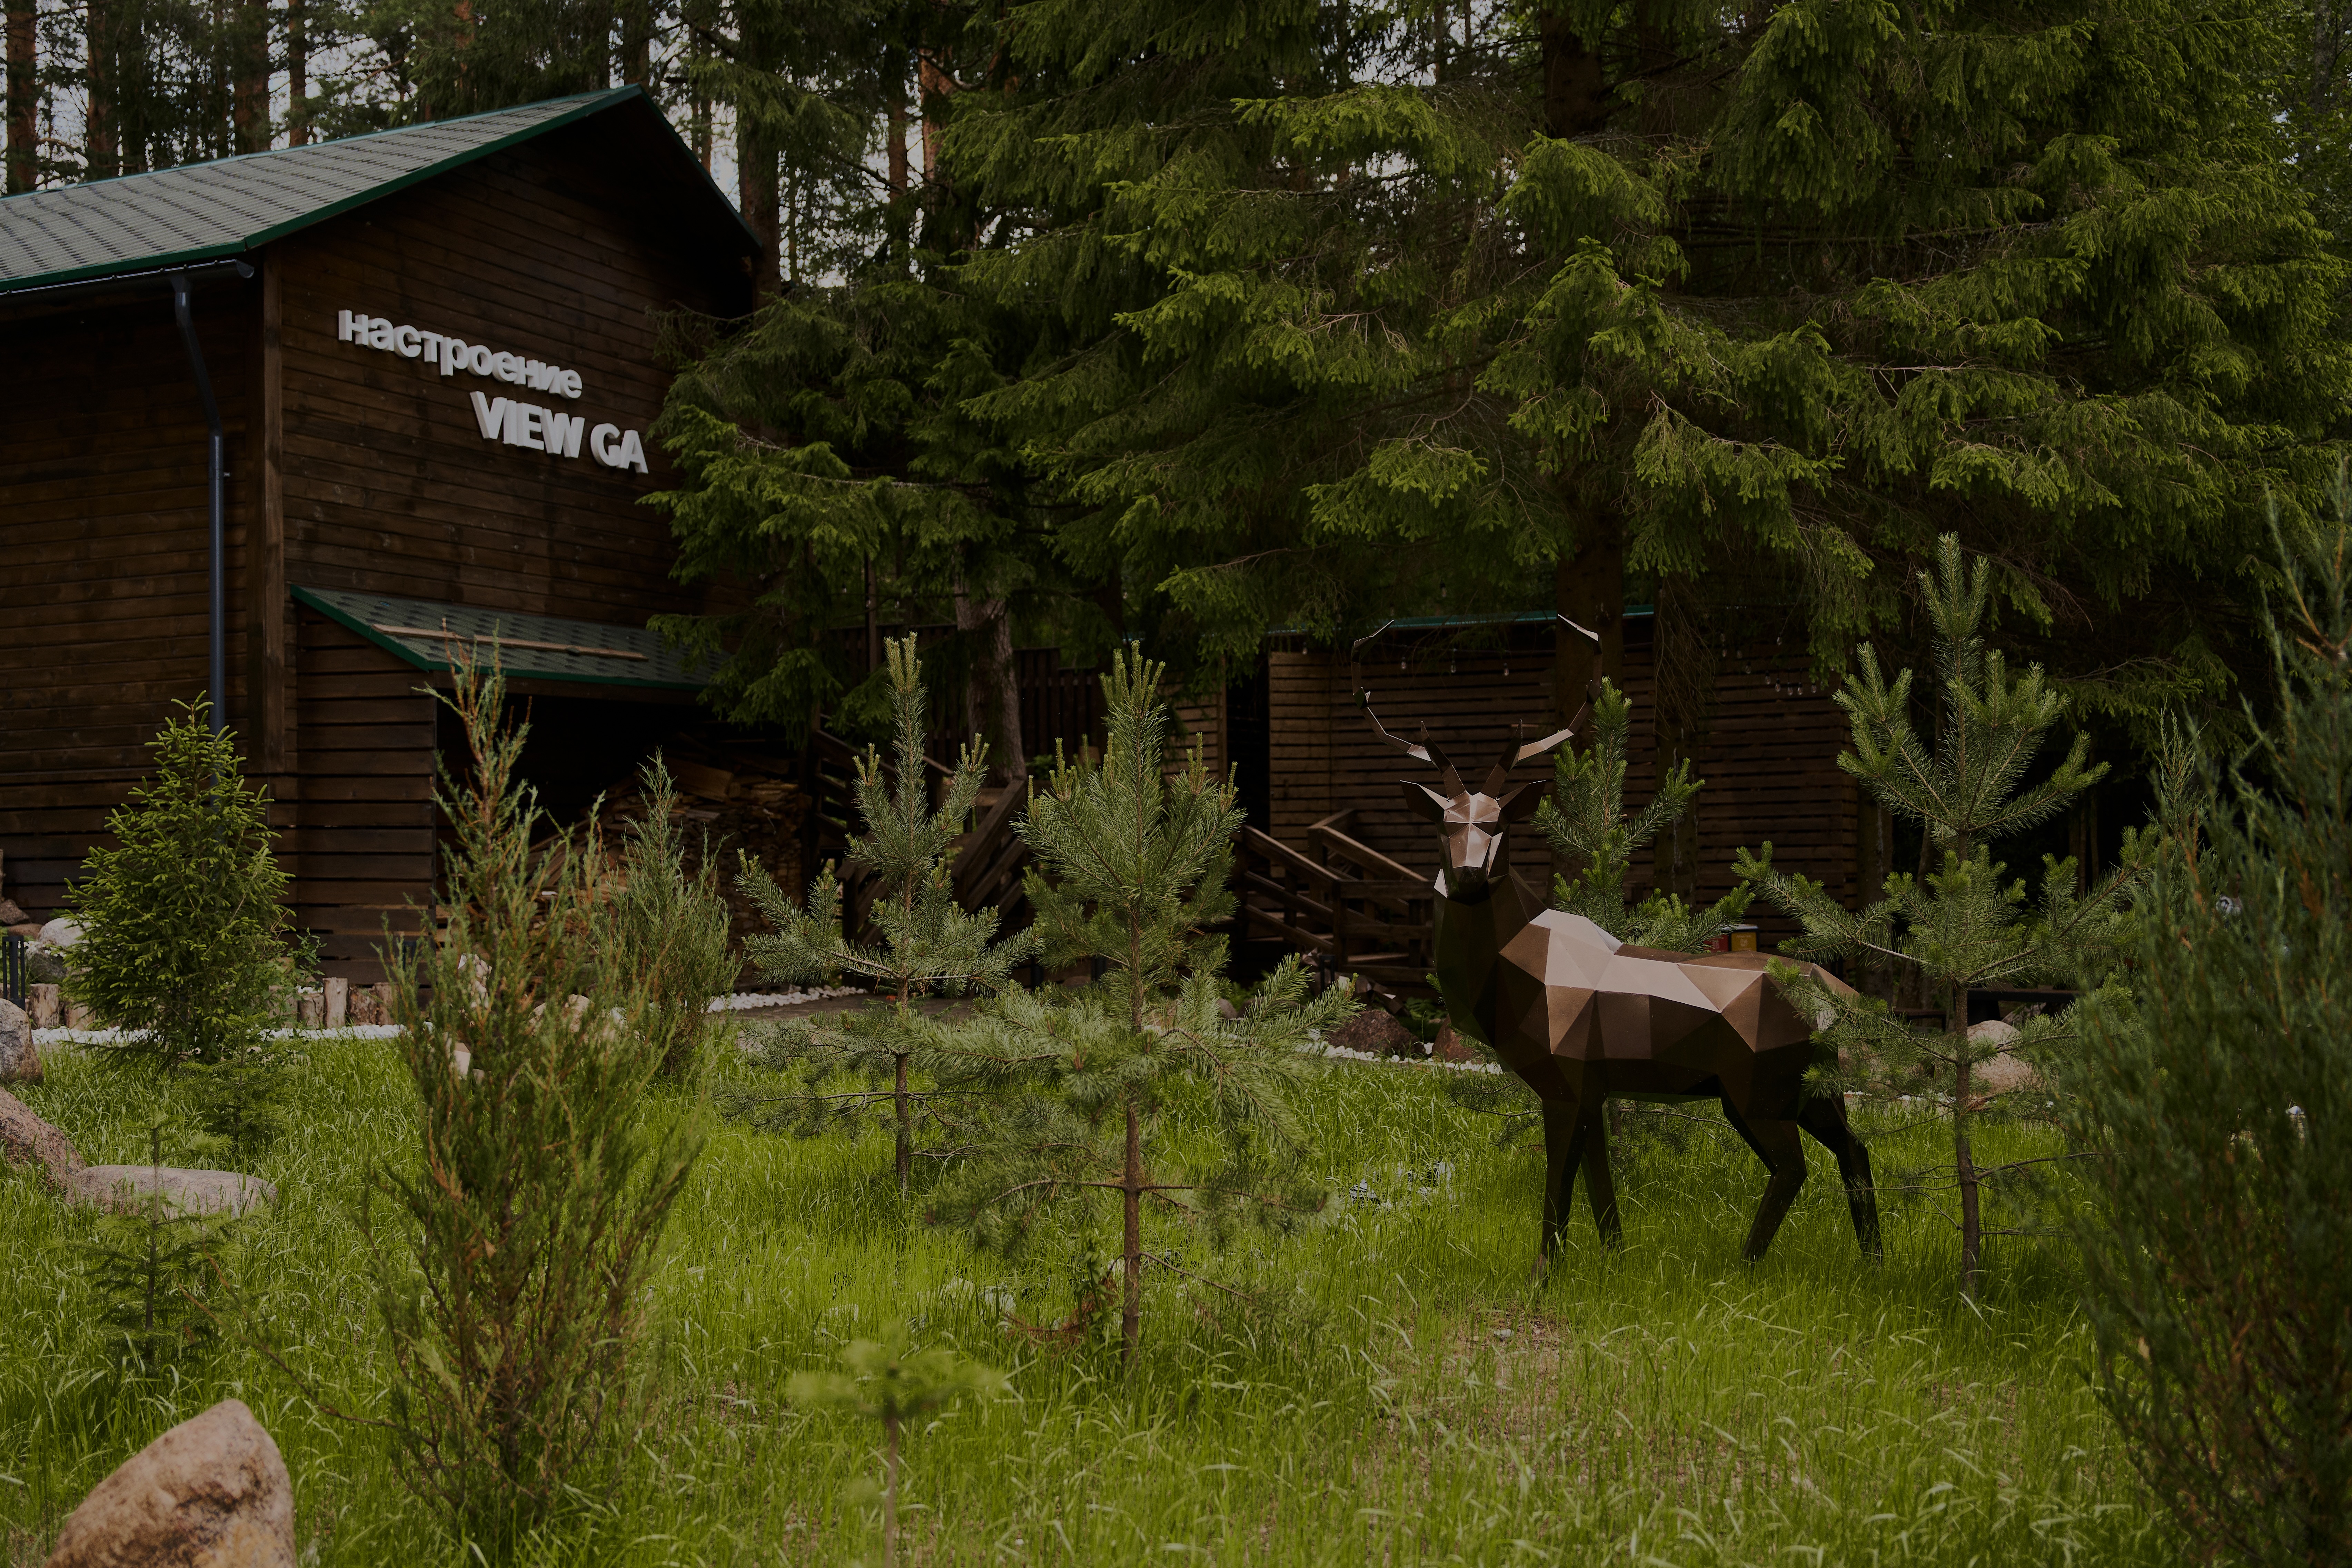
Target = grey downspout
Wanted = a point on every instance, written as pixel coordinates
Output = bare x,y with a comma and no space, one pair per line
218,598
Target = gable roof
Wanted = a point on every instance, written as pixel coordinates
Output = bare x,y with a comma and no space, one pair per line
208,211
422,632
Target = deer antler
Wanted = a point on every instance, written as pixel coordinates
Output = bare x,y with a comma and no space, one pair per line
1426,751
1512,756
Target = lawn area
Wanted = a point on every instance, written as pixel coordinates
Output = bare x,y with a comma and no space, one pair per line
1398,1395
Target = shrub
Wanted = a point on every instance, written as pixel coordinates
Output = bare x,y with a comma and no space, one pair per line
511,1283
669,930
2218,1285
184,943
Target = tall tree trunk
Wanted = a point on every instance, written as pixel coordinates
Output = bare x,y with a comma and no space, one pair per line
755,161
249,99
936,84
99,160
993,691
637,42
24,114
1679,712
297,76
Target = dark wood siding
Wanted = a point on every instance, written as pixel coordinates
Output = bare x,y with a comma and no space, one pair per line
363,853
104,556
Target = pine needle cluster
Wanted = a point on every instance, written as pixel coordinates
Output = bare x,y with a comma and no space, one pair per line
1587,824
928,944
1964,925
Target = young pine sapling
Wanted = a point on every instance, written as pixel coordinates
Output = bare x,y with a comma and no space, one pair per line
669,930
1961,927
887,1381
928,944
1130,869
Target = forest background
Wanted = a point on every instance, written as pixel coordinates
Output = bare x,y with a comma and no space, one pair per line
1092,319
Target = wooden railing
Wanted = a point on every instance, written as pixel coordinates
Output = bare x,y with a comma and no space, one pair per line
1346,909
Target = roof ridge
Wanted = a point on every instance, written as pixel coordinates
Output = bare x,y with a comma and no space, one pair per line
312,147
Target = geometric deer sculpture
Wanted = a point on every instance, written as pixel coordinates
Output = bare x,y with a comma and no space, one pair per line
1583,1018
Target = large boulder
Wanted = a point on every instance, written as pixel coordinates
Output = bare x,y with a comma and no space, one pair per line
61,932
128,1188
26,1140
19,1061
44,965
212,1492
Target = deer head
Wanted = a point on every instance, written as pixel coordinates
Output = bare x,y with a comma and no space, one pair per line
1471,823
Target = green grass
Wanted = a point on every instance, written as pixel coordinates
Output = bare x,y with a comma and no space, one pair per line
1401,1397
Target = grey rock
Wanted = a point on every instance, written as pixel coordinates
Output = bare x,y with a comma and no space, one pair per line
212,1492
129,1188
44,966
19,1061
26,1140
62,931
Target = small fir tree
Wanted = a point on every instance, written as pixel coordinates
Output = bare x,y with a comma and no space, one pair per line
1961,927
884,1379
512,1281
184,943
670,929
1587,824
929,943
240,1101
1130,863
2219,1097
152,1269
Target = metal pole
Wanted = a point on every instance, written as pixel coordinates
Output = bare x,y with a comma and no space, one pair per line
218,601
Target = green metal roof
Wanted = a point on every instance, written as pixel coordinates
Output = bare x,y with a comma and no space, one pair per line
203,212
529,648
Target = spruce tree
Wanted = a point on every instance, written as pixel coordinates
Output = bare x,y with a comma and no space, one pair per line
1961,926
1585,823
1131,860
152,1270
184,941
928,944
2218,1099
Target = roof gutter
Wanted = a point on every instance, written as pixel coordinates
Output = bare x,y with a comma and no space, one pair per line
114,282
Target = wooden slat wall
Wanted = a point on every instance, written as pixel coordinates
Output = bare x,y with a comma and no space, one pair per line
104,559
1769,757
390,486
363,855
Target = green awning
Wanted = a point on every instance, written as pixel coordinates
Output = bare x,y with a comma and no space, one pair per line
426,634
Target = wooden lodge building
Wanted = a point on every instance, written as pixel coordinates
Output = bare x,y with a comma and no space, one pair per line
418,368
433,354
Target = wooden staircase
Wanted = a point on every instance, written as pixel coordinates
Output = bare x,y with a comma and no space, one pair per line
1342,905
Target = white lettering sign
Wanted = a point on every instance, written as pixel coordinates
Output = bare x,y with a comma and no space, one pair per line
449,355
510,420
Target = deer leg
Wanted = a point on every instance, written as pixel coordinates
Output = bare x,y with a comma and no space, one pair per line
1824,1117
1564,1126
1593,1134
1775,1143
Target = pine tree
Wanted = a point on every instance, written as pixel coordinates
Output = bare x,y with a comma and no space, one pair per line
2219,1099
513,1276
153,1270
184,941
1589,830
1130,864
669,930
886,1380
928,944
1962,926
